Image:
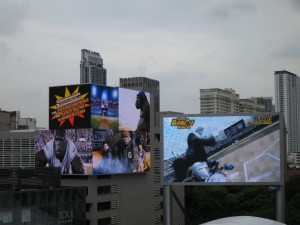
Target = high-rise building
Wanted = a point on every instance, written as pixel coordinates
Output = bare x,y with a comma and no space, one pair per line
287,101
218,101
91,68
250,105
143,84
266,101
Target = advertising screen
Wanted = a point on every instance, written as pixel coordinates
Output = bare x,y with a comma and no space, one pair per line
134,110
69,149
69,107
229,149
120,152
105,107
121,118
118,122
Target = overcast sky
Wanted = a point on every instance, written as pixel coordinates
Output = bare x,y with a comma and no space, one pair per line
185,45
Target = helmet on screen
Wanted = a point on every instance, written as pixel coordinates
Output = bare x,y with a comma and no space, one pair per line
212,164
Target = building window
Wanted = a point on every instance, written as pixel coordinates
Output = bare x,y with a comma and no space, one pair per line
104,221
102,206
157,137
87,206
102,190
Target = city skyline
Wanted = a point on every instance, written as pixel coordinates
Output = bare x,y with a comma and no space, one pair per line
186,46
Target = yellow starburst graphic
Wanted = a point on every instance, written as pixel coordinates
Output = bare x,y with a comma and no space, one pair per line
69,106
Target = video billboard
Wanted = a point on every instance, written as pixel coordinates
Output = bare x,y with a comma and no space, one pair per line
134,110
69,107
227,149
69,149
120,152
105,107
121,136
119,120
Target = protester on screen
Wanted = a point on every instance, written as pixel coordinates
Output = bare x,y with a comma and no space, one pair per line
104,162
60,152
140,156
123,151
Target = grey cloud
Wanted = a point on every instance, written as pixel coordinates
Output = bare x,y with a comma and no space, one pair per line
4,49
31,93
245,6
295,4
228,10
123,16
12,13
288,51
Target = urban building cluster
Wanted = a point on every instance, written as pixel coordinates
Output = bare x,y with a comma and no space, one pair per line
110,199
224,101
13,121
138,198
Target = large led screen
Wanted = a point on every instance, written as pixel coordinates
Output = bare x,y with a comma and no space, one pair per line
121,122
134,110
229,149
120,152
69,149
105,107
118,120
69,107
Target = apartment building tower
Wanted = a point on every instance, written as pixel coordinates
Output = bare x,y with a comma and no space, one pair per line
251,105
287,101
91,68
218,101
266,101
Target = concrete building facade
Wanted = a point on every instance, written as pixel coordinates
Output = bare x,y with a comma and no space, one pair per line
227,101
218,101
91,68
13,121
266,101
250,105
17,149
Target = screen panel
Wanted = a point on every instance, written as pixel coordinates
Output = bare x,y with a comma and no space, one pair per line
119,122
69,107
134,110
223,149
120,152
105,107
69,149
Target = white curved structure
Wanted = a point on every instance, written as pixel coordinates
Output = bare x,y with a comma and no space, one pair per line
243,220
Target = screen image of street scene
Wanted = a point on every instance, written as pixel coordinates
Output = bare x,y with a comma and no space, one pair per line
126,149
69,149
120,152
240,149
